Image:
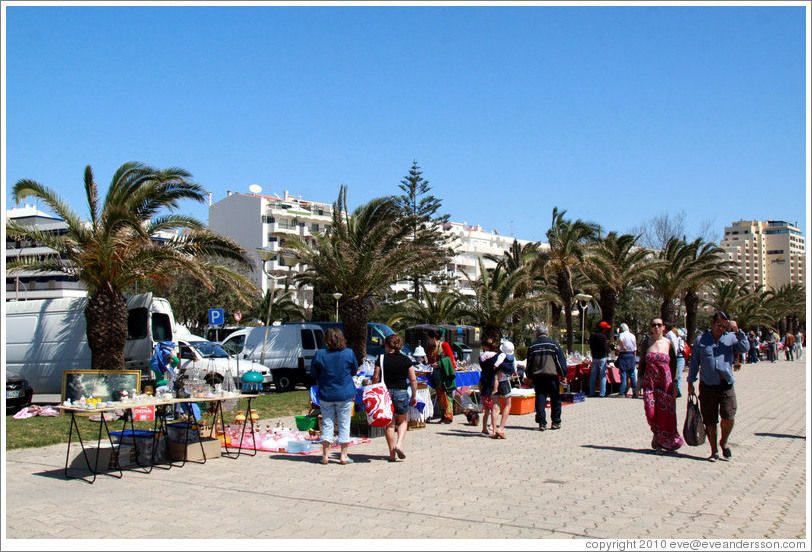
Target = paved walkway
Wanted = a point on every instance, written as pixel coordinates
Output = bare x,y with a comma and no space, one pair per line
596,477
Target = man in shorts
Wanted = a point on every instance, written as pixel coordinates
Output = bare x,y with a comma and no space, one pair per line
712,360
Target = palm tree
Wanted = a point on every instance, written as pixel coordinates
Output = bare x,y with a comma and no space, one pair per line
708,264
361,256
674,270
284,307
443,307
494,303
116,247
568,242
617,265
786,304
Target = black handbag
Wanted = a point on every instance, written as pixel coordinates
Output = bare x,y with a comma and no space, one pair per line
694,430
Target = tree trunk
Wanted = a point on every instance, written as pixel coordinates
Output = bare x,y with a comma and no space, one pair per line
555,315
354,314
608,302
691,310
668,311
106,318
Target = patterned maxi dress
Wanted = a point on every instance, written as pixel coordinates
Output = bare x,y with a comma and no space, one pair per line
659,403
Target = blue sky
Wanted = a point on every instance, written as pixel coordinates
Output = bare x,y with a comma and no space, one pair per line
616,114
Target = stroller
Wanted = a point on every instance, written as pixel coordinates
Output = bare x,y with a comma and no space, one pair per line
469,403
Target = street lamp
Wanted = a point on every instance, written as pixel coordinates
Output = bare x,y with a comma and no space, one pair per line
267,254
583,300
337,296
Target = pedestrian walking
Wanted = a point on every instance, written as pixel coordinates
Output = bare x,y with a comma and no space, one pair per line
799,340
332,369
712,362
397,372
546,365
789,345
626,361
487,380
505,366
656,371
599,346
753,340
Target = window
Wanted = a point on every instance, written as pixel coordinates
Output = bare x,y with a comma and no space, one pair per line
775,252
186,353
267,219
308,341
234,345
314,227
161,327
137,323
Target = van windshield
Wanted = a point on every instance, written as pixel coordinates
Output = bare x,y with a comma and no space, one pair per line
209,349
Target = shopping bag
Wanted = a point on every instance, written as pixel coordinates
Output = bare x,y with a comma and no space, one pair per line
694,430
378,405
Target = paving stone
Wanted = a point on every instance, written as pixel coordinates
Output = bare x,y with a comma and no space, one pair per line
595,478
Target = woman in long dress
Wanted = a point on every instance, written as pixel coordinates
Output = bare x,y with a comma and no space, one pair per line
655,373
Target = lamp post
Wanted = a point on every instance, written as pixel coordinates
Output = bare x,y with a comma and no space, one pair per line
583,300
337,296
267,254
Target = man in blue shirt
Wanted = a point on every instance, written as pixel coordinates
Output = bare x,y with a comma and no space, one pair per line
712,361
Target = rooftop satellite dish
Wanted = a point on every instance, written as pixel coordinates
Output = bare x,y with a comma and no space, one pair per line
255,188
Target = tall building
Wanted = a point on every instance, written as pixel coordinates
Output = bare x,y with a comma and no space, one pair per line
250,219
37,285
767,253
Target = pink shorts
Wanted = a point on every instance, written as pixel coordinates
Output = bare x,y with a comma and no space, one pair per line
487,403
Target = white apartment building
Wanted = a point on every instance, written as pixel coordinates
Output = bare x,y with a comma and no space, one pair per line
250,219
30,285
767,253
24,285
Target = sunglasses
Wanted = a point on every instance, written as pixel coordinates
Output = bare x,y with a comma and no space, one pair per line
656,325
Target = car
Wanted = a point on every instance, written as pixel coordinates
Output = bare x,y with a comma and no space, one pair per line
214,361
18,394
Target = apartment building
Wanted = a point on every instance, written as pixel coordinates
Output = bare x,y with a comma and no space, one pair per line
250,219
37,285
24,285
767,253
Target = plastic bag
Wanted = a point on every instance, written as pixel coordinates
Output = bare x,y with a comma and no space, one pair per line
694,430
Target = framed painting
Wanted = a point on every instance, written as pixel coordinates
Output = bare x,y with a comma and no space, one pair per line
106,385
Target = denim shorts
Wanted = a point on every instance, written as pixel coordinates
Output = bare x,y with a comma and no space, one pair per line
504,388
400,400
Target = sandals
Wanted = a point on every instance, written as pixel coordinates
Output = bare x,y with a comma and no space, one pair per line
498,435
713,458
347,461
324,461
400,453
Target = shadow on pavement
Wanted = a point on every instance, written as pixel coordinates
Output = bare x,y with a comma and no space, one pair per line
647,451
316,457
780,435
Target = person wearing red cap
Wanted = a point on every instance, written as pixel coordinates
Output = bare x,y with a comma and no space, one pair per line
599,345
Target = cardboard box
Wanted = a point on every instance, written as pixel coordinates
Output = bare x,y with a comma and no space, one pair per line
572,397
105,454
191,451
522,405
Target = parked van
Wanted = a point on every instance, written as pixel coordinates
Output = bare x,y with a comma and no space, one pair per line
288,351
214,362
44,337
376,333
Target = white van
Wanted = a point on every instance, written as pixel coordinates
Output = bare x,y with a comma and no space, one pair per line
214,362
288,351
44,337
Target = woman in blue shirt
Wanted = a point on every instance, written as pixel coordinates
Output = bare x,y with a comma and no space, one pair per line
333,370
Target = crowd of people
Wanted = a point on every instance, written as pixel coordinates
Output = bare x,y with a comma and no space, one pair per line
653,371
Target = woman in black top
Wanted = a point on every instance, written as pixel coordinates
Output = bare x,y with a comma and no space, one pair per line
398,373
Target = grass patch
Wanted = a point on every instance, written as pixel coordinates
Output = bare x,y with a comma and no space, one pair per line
42,431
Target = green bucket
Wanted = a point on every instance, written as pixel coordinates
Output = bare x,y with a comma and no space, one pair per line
303,423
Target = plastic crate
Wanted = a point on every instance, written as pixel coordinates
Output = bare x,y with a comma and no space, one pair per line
366,431
572,397
183,432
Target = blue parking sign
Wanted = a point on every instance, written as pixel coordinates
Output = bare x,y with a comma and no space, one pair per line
216,316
